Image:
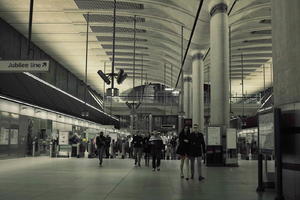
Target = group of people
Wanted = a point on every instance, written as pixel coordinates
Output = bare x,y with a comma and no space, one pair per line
190,146
151,146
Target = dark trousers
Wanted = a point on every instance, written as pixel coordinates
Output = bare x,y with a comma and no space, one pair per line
101,151
107,151
156,157
147,158
138,151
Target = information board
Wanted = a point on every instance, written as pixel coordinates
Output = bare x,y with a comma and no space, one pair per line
214,136
63,138
231,142
266,131
24,65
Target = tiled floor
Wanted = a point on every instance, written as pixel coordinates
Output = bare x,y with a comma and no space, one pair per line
74,179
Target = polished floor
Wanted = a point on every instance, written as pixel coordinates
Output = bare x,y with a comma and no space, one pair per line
74,179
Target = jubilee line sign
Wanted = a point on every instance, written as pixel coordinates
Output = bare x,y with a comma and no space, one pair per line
24,65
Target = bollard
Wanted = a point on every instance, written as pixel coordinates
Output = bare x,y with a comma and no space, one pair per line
260,187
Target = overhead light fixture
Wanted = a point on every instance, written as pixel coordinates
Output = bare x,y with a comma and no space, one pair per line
121,76
104,77
169,89
85,113
175,92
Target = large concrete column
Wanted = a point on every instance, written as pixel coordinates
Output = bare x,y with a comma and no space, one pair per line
286,65
219,63
198,89
181,107
188,101
150,123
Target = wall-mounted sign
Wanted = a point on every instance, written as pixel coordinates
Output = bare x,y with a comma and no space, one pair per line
24,65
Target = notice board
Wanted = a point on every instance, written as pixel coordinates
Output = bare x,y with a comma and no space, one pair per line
214,136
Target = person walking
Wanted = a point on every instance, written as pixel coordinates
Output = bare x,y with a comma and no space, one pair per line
183,151
137,143
173,143
197,150
156,145
100,143
107,145
147,150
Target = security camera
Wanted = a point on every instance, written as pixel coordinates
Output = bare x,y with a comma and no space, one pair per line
104,77
121,76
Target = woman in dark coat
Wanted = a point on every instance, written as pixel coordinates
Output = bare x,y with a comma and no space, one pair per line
183,151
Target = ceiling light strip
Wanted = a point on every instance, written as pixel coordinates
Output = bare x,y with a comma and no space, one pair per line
77,99
45,109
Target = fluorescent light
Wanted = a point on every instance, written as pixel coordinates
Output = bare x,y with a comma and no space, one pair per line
175,92
41,108
169,89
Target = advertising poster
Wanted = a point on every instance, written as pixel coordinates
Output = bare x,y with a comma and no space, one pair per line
266,131
63,138
4,136
231,138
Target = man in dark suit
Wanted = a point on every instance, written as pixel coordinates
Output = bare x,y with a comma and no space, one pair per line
196,151
100,142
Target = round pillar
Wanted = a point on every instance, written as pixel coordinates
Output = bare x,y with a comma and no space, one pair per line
188,101
286,65
219,64
198,89
150,123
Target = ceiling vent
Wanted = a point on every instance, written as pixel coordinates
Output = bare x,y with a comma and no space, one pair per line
126,54
129,60
265,21
107,5
119,39
261,41
110,18
262,32
108,46
109,29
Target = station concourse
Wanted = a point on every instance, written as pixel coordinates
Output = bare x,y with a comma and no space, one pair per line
149,99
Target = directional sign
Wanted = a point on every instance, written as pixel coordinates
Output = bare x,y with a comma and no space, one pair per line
24,65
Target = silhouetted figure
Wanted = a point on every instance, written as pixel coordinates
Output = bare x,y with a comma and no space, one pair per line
100,142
